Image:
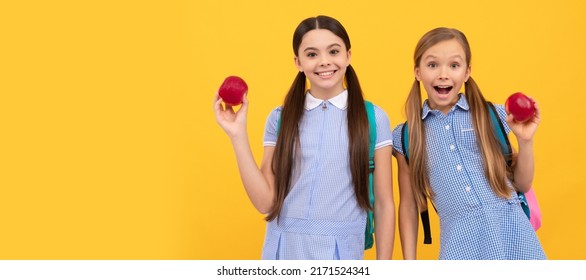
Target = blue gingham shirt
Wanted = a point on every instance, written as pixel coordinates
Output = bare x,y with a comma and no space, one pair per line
475,223
320,218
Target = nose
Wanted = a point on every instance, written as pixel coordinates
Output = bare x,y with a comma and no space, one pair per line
443,75
324,61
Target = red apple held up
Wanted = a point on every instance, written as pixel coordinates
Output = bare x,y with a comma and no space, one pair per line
232,90
521,106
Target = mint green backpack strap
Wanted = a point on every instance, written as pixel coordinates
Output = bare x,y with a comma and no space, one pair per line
372,138
369,232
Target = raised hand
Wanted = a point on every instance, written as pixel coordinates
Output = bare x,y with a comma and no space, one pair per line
233,122
524,131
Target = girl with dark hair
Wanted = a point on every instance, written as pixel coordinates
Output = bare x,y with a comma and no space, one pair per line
455,160
313,179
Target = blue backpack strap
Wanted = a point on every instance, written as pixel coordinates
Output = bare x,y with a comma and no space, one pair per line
405,140
369,232
501,135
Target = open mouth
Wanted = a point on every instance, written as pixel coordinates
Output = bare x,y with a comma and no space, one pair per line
443,89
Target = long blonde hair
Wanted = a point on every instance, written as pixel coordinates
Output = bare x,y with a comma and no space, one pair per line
495,168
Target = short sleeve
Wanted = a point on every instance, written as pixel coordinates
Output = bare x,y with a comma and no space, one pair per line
270,137
397,141
384,136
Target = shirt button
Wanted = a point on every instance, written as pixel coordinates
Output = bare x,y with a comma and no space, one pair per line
452,147
459,167
447,126
468,189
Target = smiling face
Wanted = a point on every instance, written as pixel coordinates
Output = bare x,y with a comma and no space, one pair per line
442,71
323,57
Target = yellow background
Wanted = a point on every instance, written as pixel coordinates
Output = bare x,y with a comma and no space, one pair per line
108,144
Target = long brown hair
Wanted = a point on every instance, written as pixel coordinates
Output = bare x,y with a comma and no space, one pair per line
495,167
292,111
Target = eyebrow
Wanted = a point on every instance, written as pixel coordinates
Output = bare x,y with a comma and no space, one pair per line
329,47
435,57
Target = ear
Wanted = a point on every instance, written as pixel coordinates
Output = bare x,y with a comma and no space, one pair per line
349,56
417,73
298,64
468,71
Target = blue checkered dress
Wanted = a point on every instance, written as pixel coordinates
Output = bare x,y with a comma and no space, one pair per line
475,224
320,218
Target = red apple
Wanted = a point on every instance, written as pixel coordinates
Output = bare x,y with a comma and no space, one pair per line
232,90
520,106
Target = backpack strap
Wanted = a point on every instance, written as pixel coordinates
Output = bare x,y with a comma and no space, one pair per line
369,232
424,214
501,135
371,135
405,140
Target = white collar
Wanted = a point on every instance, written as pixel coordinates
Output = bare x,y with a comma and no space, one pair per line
340,101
